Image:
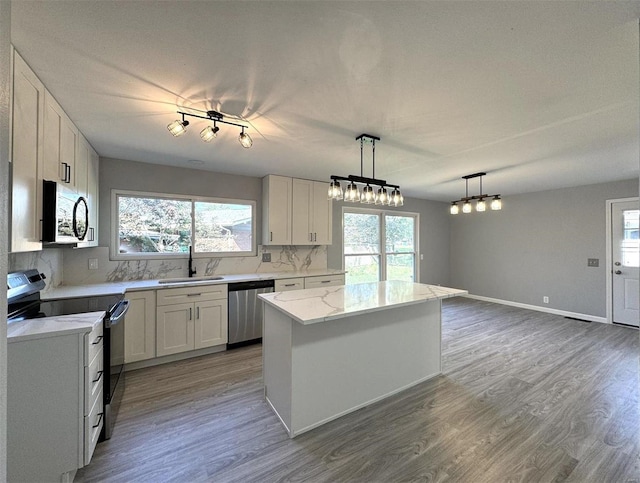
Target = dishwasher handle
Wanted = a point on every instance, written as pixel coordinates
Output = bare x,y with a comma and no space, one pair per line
256,284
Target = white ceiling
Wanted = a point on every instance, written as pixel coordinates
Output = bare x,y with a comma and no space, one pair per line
540,95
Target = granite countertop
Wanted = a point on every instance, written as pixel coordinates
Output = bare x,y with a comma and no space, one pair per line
315,305
53,326
111,288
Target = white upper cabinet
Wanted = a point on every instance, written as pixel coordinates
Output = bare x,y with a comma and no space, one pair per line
82,164
276,210
27,158
60,142
311,213
93,176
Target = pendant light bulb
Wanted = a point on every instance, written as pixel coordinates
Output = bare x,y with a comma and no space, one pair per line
496,203
454,209
481,205
335,190
352,193
367,195
466,207
245,139
382,198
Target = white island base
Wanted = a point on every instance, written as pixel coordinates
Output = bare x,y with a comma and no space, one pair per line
316,371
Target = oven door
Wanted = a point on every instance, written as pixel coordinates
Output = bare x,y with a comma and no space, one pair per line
114,351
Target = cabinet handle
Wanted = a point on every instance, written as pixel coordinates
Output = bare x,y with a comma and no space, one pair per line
99,420
64,172
91,234
68,173
99,376
289,284
325,281
194,294
315,237
190,313
198,313
97,341
270,236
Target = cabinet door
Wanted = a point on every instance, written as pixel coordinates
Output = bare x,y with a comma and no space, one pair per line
276,210
302,231
174,329
27,157
140,327
82,165
321,208
210,323
92,197
60,138
324,281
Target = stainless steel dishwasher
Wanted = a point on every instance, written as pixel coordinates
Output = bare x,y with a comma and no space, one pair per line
245,312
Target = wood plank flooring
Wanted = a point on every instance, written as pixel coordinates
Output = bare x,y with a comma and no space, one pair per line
524,396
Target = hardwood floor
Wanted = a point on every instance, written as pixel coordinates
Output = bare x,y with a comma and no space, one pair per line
524,396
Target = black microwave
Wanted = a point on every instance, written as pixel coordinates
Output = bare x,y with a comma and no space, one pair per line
65,214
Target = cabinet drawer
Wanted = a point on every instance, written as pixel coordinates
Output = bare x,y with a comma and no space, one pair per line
289,284
327,281
93,341
172,296
93,423
93,377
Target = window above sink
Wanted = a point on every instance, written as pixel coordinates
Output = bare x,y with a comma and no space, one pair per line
152,225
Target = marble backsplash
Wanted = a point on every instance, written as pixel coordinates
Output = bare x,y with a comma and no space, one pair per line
75,264
49,262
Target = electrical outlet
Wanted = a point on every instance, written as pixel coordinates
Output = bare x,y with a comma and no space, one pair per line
545,299
593,262
266,257
93,264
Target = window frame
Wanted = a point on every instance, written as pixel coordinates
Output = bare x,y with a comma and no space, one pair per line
114,253
382,248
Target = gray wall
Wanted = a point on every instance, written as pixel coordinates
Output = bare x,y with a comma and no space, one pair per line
538,245
434,238
5,55
136,176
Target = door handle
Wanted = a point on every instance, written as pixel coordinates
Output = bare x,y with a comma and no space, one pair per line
618,272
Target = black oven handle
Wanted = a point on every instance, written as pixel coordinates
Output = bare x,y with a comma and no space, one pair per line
118,313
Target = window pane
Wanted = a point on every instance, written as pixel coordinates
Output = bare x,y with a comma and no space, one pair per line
153,225
223,227
400,267
360,269
399,233
361,233
630,245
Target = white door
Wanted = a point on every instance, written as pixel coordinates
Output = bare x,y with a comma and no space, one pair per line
626,260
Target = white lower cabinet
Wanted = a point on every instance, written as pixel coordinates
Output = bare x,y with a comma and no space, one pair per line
54,404
140,326
284,285
190,318
324,281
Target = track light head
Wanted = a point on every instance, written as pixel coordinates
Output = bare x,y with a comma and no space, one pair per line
178,127
245,139
209,133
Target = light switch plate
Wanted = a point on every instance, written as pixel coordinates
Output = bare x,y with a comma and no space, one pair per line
266,257
593,262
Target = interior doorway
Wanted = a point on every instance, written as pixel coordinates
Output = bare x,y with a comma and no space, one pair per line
623,261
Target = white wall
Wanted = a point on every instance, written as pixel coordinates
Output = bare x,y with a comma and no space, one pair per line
5,56
538,245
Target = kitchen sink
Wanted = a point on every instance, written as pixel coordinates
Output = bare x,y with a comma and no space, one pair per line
189,280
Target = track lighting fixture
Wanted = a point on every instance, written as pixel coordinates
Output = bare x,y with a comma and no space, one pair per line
209,133
481,204
368,196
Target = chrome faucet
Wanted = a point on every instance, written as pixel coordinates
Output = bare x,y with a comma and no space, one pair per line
192,271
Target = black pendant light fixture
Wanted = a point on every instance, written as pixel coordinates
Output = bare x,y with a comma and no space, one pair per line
481,204
209,133
368,195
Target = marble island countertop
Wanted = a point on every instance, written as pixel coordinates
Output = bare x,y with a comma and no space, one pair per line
315,305
110,288
52,326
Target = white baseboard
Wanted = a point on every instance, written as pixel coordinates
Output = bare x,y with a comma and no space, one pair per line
564,313
156,361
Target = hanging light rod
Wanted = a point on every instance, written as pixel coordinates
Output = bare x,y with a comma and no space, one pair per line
179,127
481,205
367,195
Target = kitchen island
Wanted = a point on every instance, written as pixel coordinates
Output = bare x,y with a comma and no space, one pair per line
330,351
